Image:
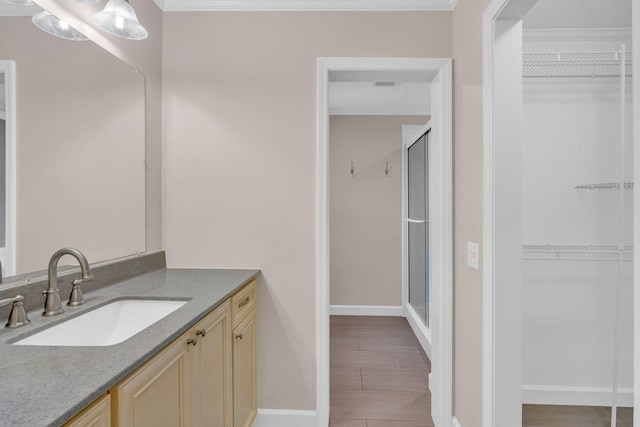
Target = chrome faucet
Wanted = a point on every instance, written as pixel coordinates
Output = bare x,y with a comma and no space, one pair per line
17,317
52,304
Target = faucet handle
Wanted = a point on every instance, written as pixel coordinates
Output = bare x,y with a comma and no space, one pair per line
76,297
17,316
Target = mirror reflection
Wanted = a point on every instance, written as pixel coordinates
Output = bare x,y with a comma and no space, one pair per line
79,151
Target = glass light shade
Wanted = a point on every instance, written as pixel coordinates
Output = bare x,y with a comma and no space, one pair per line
88,1
20,2
119,19
56,27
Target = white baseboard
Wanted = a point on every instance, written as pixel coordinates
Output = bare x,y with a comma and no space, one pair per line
579,396
285,418
455,422
419,329
366,310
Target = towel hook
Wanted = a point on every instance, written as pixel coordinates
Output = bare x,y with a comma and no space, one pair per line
386,171
353,170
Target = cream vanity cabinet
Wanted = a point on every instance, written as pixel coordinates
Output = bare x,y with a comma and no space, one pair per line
245,402
206,377
98,414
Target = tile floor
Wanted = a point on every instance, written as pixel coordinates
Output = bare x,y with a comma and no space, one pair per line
379,374
379,378
573,416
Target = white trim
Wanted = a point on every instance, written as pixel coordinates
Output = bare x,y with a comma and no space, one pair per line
488,321
303,5
455,422
285,418
574,396
366,310
579,35
442,328
453,4
9,70
378,112
16,10
420,330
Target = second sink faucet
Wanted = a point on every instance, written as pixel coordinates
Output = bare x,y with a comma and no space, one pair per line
52,304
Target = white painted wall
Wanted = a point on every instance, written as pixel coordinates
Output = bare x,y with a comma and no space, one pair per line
572,137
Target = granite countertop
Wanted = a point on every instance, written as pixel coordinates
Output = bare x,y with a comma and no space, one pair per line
47,386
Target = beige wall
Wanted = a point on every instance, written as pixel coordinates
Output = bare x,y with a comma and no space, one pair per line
80,147
366,210
467,159
240,158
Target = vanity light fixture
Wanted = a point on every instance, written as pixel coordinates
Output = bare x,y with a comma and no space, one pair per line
51,24
119,18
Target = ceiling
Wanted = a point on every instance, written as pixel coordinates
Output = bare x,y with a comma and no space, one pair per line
352,92
364,99
579,14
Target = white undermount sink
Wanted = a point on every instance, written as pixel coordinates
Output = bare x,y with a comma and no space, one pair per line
106,325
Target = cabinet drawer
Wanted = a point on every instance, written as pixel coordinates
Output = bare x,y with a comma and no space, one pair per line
243,302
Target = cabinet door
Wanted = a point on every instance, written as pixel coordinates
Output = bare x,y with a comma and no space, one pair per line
157,394
213,369
96,415
244,372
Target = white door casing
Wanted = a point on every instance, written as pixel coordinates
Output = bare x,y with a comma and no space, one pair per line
441,137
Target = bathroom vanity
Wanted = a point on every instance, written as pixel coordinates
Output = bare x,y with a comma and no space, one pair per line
196,366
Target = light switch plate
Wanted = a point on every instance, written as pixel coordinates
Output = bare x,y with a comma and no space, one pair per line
473,255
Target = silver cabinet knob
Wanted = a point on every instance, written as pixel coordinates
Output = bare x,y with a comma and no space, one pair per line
201,332
193,341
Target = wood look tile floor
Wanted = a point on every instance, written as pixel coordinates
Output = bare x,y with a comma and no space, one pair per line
573,416
379,374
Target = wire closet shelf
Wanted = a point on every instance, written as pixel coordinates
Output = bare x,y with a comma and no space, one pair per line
575,65
577,252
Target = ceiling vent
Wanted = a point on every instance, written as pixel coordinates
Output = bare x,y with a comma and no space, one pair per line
384,84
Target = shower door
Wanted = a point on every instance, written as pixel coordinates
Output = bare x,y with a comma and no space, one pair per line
418,226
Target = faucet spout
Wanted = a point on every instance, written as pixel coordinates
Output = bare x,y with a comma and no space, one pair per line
52,304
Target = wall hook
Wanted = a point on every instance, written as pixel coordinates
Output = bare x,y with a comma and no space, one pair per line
386,171
353,170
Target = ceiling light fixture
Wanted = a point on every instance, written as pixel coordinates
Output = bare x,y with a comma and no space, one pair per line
119,19
56,27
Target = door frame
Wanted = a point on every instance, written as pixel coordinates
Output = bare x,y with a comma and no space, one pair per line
442,120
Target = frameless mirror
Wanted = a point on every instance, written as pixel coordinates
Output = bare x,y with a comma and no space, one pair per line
76,177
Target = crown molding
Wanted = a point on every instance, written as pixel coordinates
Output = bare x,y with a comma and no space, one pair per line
7,9
303,5
573,34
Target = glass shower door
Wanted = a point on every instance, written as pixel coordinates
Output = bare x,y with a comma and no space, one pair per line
418,227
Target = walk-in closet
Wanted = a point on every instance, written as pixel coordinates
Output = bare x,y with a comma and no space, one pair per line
577,230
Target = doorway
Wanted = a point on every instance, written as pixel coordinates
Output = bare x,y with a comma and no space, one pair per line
441,297
558,219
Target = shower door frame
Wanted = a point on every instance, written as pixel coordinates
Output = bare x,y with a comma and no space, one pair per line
409,137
